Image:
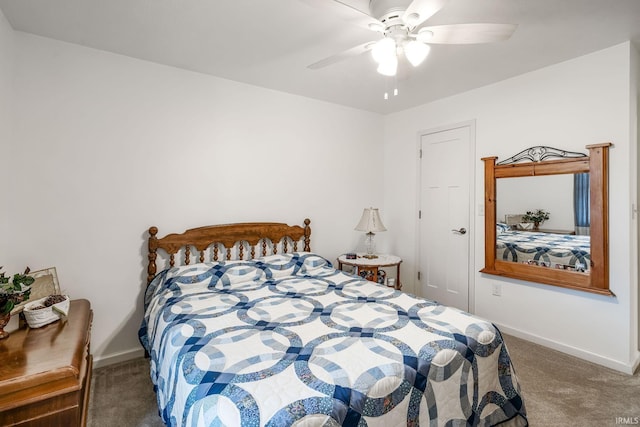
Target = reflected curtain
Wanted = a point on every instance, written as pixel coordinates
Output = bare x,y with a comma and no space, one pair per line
581,203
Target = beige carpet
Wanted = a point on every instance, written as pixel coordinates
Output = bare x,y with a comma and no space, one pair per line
122,396
559,390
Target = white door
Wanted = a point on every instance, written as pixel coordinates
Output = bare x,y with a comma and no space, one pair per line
446,164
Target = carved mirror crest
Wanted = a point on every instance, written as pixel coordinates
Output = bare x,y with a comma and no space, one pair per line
546,217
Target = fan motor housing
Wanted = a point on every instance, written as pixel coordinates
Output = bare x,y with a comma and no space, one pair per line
389,12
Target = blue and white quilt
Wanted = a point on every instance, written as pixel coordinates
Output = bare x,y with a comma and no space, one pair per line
544,249
289,340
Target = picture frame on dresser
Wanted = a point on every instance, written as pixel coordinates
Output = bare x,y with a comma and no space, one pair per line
46,283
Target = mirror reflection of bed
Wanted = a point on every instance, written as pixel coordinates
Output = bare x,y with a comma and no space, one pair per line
562,241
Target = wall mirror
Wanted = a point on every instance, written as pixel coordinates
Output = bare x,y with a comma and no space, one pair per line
570,248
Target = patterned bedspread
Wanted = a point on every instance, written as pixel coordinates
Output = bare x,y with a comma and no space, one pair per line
549,250
289,340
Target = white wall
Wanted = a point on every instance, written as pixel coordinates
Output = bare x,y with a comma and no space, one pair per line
568,105
6,75
552,193
118,145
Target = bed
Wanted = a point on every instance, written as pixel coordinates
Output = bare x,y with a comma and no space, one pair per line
561,251
254,329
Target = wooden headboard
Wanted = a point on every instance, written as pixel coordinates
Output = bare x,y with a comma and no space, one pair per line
236,240
513,219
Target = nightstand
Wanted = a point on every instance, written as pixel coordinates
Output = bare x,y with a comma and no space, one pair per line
369,268
45,373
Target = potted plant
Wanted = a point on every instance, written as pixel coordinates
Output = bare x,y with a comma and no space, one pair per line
537,217
13,290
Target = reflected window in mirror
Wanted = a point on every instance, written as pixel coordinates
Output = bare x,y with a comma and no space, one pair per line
581,203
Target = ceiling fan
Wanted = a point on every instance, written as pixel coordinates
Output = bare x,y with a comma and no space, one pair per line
400,24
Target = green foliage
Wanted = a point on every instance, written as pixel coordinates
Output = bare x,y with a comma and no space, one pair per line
14,290
539,216
22,279
7,307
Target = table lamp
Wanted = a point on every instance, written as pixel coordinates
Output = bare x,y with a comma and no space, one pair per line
370,223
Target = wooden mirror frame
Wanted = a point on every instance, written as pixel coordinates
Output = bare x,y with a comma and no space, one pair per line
597,165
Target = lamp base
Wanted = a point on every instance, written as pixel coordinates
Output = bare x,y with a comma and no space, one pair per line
370,246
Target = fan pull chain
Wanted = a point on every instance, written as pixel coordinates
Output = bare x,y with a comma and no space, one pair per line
395,88
395,93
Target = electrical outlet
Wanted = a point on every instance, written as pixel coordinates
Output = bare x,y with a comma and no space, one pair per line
481,209
496,289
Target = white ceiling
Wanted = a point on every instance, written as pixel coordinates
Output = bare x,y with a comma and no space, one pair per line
269,43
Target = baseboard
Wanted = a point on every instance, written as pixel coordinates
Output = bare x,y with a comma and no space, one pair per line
573,351
111,359
636,364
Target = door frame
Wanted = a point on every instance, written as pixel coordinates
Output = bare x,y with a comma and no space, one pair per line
471,160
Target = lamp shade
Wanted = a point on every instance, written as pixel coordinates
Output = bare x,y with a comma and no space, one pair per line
416,52
370,221
389,66
384,49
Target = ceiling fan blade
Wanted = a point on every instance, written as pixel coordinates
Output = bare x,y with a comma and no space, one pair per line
466,33
421,10
349,53
347,13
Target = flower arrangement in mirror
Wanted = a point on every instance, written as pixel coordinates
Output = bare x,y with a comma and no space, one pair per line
13,290
537,217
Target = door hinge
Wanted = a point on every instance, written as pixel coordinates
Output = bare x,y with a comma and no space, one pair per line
418,275
421,153
419,214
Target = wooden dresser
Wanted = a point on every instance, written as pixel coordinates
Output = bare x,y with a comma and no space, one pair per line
45,373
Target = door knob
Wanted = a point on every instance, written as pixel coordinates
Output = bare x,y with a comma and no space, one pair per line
461,231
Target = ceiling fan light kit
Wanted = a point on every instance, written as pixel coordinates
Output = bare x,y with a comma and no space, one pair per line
396,41
386,51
